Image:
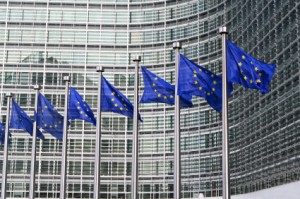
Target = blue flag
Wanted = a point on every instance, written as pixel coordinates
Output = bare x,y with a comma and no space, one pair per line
20,120
79,109
199,81
2,134
113,100
244,69
48,118
158,90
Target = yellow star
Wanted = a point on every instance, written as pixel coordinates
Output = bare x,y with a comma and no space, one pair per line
165,97
155,90
78,107
194,71
245,78
240,64
45,125
171,96
212,75
81,112
258,81
241,71
208,94
213,89
78,102
251,62
45,106
256,69
214,82
158,94
86,115
251,81
121,108
195,75
124,104
155,78
196,82
112,99
113,93
200,88
153,84
55,125
116,105
243,57
200,69
260,74
50,126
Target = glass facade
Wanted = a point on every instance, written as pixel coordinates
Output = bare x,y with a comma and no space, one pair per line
265,129
43,40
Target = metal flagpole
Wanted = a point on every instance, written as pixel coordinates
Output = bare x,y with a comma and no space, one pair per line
177,165
135,135
65,142
33,149
226,173
98,137
4,168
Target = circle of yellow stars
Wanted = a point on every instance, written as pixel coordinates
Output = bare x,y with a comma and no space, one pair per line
256,69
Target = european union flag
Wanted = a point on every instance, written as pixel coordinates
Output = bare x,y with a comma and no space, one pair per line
244,69
158,90
113,100
79,109
20,120
48,118
197,80
2,134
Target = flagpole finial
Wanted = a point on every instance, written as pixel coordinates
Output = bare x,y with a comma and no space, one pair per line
8,94
37,87
177,45
137,58
223,30
67,78
99,69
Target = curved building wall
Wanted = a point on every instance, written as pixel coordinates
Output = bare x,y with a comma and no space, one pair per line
265,129
41,41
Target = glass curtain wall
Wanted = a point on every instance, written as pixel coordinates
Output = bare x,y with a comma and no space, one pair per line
42,41
264,133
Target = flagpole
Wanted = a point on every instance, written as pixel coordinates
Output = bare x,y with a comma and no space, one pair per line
65,142
100,70
33,149
177,153
135,138
226,173
5,152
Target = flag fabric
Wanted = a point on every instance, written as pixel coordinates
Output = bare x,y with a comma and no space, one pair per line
48,118
79,109
113,100
199,81
20,120
158,90
2,134
244,69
